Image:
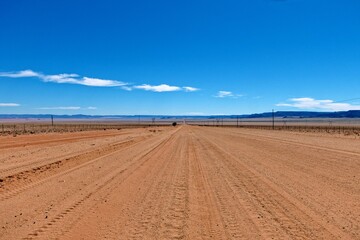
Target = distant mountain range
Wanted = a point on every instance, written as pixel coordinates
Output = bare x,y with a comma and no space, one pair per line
303,114
280,114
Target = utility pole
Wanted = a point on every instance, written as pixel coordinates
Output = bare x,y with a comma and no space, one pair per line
273,119
237,121
52,120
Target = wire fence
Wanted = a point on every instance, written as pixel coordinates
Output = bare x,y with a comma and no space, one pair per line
350,127
29,128
334,126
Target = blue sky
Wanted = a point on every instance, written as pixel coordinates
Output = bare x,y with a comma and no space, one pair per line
178,57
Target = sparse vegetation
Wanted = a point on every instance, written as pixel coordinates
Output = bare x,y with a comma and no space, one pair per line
22,129
344,130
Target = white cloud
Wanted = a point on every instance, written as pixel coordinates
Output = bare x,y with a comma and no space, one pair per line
227,94
94,82
20,74
126,88
100,82
65,78
222,94
190,89
91,108
9,105
60,78
311,103
158,88
86,81
164,88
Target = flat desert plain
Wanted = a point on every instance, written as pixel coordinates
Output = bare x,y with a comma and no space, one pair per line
182,182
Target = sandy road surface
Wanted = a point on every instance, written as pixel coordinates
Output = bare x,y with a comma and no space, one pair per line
180,183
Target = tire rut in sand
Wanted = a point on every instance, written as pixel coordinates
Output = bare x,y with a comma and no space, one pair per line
79,208
22,181
189,183
204,220
21,172
176,209
264,138
14,144
152,197
276,214
236,222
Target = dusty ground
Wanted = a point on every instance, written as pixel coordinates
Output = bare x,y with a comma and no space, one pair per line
179,183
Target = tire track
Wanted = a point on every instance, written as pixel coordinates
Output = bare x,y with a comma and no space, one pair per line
67,218
17,175
274,139
236,221
324,185
278,208
204,214
81,161
140,226
187,183
11,144
13,192
176,212
147,167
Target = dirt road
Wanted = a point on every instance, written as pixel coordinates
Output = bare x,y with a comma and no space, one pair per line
180,183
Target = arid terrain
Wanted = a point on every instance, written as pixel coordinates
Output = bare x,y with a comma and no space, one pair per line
184,182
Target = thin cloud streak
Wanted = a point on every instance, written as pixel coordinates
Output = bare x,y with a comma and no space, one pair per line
164,88
9,105
101,82
158,88
227,94
223,94
65,78
126,88
20,74
191,89
311,103
86,81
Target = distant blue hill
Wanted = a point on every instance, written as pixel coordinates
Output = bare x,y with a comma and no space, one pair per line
279,114
300,114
